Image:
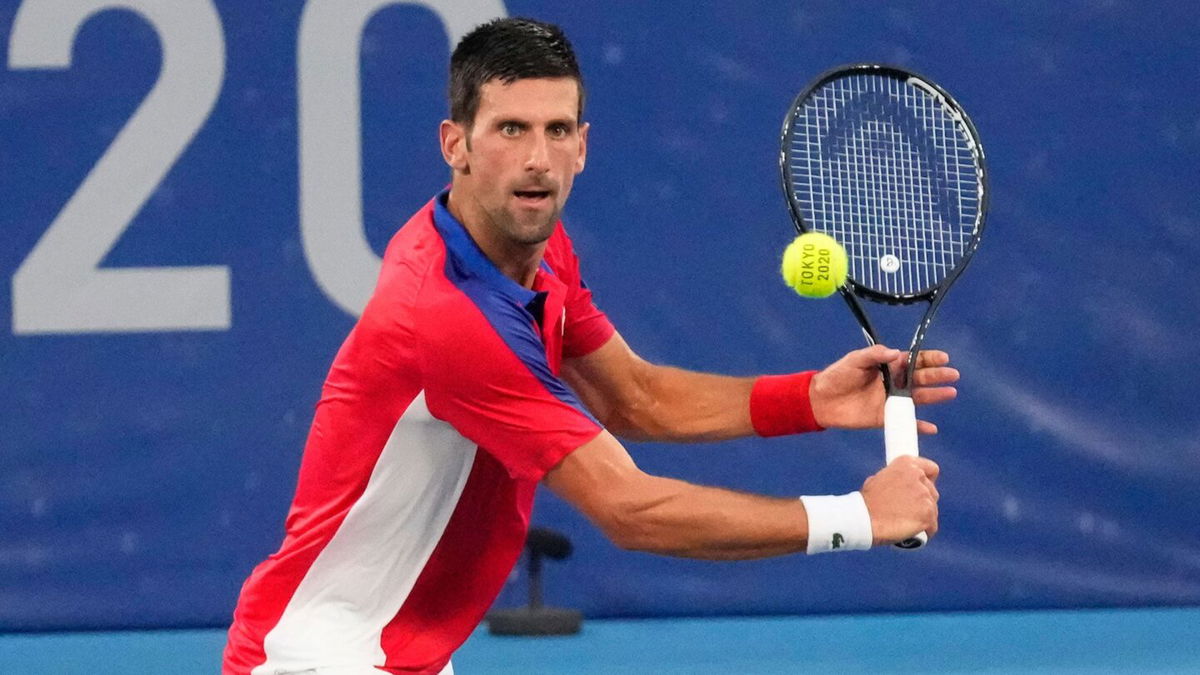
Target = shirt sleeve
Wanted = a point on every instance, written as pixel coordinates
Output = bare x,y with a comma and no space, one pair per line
486,374
586,328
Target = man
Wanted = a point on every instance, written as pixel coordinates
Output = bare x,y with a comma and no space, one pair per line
480,367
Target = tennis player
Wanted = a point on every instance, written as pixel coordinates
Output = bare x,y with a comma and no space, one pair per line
481,366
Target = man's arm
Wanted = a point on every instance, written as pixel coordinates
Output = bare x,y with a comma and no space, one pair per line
640,400
641,512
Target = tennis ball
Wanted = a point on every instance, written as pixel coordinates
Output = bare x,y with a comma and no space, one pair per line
814,265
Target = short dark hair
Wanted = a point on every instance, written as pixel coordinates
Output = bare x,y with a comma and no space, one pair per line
508,49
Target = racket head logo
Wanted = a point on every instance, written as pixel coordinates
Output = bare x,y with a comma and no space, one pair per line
889,263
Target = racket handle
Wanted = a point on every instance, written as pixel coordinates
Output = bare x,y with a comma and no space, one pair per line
899,440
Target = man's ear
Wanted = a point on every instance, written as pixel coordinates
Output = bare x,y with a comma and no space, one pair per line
581,160
454,145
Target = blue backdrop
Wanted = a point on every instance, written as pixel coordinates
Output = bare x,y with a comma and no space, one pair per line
189,226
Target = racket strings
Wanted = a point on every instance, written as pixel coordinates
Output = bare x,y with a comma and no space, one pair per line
885,167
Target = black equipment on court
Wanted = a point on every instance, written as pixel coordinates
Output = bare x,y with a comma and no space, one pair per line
536,618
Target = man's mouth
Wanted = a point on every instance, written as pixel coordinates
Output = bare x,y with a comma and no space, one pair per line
532,197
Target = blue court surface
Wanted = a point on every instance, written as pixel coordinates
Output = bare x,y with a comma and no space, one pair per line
1084,641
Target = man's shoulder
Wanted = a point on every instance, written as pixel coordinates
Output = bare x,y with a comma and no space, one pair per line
414,257
416,243
415,254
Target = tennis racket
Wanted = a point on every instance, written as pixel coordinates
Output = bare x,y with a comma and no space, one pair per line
889,165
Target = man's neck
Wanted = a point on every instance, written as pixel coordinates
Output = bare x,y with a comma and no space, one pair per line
518,262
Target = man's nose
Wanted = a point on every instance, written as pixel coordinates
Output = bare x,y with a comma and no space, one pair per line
538,160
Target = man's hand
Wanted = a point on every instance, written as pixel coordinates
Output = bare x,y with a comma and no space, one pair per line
902,500
849,394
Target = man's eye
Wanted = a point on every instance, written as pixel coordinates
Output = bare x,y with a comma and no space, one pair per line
509,129
558,130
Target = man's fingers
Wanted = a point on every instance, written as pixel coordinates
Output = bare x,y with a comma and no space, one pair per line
931,358
933,526
931,376
928,466
874,355
931,370
899,369
926,428
932,395
933,491
902,498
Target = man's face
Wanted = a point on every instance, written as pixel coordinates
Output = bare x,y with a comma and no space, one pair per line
520,159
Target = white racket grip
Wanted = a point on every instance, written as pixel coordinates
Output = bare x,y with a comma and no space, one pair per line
899,427
900,439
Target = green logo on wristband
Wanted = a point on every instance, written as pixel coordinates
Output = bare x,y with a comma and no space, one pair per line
838,539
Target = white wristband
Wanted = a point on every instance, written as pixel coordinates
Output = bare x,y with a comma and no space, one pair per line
838,523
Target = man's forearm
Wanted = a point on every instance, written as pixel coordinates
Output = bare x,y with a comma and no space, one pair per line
643,512
709,523
680,405
640,400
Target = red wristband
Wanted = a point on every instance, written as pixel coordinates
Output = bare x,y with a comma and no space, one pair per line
780,405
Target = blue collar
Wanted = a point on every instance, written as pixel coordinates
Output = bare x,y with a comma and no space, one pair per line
469,260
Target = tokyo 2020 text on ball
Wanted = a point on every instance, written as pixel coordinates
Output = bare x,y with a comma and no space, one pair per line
814,265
